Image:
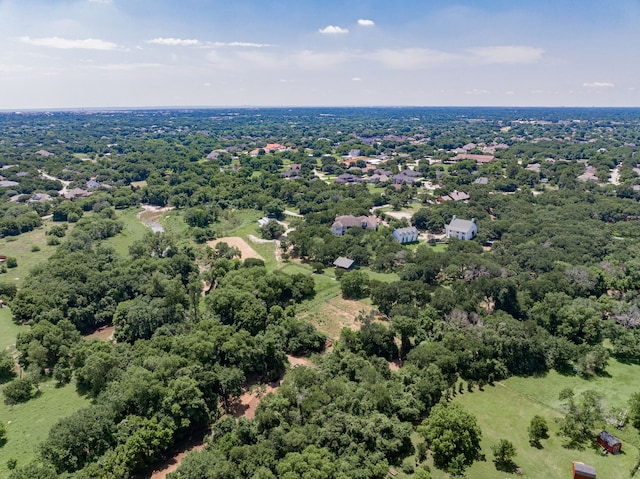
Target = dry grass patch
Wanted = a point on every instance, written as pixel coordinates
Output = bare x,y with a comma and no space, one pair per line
245,250
335,314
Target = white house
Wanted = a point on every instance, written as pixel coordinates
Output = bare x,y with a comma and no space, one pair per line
461,229
405,235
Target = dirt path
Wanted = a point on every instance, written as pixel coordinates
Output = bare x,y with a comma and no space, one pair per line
248,402
245,250
245,406
172,464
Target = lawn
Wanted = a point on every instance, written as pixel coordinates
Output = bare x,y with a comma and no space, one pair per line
20,248
505,410
8,329
133,230
28,424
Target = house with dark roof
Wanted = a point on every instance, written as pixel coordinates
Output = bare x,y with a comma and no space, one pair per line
344,263
406,235
346,178
401,179
455,195
344,222
609,442
462,229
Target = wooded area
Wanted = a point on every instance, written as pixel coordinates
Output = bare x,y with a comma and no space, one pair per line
549,284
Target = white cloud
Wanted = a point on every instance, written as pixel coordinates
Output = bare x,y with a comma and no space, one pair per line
356,79
13,68
476,91
366,23
507,54
333,30
238,44
598,84
318,60
67,44
411,58
175,42
125,66
192,42
104,2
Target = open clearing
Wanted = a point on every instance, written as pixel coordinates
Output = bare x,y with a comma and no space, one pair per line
28,423
505,410
334,315
245,250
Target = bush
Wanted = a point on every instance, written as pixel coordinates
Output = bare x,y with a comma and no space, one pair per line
35,248
53,241
19,390
3,434
12,262
12,463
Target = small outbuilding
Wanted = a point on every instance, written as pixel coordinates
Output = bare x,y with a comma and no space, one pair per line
609,442
582,471
344,263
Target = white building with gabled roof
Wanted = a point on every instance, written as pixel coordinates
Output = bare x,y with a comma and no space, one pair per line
462,229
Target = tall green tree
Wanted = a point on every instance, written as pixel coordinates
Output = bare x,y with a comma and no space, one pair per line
453,436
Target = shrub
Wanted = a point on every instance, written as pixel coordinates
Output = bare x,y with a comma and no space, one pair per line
19,390
12,262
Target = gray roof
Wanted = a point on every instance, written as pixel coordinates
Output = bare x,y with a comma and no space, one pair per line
8,183
609,438
586,471
343,262
460,225
407,230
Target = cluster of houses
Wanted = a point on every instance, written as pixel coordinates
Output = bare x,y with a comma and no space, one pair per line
461,229
405,177
458,228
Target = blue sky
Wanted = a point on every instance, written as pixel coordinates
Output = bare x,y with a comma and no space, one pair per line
147,53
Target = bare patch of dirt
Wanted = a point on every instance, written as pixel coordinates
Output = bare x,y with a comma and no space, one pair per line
245,250
246,405
172,464
104,334
395,365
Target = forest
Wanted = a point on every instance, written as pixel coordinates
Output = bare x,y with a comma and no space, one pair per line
202,243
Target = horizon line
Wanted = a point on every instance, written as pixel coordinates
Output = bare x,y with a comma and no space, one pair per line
297,107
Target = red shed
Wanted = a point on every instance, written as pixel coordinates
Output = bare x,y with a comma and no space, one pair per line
609,442
582,471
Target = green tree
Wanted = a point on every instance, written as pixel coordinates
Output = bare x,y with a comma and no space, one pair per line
312,463
503,453
7,365
581,416
453,436
354,285
538,429
634,410
19,390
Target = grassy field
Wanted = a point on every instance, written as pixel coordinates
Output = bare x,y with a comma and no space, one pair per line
28,424
505,410
133,230
8,329
20,248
